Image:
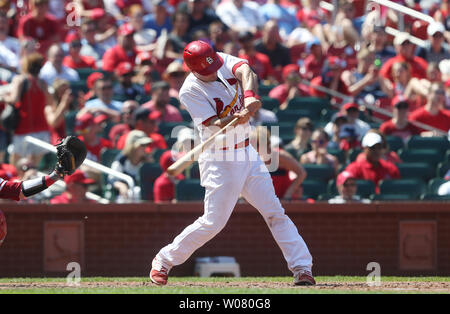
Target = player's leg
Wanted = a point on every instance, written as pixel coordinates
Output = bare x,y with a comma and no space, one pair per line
259,191
223,183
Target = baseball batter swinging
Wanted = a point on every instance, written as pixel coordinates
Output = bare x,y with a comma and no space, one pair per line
221,88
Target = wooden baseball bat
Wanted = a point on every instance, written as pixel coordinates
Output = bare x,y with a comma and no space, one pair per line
186,160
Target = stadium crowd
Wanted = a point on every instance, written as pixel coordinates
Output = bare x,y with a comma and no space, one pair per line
362,112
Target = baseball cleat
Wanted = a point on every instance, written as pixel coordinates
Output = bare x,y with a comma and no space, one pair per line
304,278
159,273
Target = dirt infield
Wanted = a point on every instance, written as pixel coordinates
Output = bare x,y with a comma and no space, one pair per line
430,287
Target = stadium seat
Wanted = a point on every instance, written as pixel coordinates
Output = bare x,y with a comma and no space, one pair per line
430,156
391,197
313,188
263,90
143,99
440,144
174,102
84,73
319,172
270,103
353,153
339,154
48,162
77,86
108,156
420,170
395,143
165,128
148,173
70,118
189,190
312,104
186,116
157,152
434,184
194,171
432,197
413,188
442,169
292,115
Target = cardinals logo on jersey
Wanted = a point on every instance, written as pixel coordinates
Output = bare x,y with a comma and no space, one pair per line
219,105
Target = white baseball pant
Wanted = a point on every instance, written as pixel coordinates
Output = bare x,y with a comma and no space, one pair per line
224,181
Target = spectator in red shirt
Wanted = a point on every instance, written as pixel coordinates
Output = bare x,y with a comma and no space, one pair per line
258,61
39,25
118,130
330,78
160,103
399,125
372,167
76,188
145,120
124,51
89,128
405,53
433,113
314,61
74,59
164,186
387,154
291,87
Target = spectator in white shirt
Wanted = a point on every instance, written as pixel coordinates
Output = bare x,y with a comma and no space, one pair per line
240,16
54,68
9,51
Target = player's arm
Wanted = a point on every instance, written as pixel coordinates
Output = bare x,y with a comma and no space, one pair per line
249,82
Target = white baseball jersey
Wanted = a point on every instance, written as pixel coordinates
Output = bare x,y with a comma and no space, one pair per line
221,98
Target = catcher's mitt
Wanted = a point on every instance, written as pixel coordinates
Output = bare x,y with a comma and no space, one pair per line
70,153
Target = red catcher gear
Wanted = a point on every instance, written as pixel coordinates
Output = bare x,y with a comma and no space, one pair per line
201,58
2,227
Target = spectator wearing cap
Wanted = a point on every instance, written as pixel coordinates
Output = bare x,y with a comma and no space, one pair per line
29,94
146,121
291,87
258,61
129,162
433,113
301,142
89,128
313,64
330,78
351,111
76,189
164,186
143,37
125,88
74,59
103,88
159,19
348,138
124,51
90,83
319,154
386,153
399,125
372,167
39,25
200,16
174,76
271,45
9,52
338,120
160,103
54,67
126,124
185,140
240,16
435,50
405,53
347,189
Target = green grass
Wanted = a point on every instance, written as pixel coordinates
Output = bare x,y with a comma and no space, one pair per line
268,285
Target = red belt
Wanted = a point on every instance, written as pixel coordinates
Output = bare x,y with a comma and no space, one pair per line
238,145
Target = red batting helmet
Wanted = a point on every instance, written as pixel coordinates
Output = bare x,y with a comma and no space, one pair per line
3,228
201,58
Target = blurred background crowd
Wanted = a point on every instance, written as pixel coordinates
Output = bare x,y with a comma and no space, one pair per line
357,102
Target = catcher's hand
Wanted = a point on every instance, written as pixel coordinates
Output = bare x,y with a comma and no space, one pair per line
70,153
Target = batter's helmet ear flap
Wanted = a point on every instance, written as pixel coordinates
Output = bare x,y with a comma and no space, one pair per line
201,58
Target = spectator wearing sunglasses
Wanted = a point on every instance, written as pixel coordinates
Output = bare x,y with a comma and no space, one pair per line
125,88
435,51
347,189
74,59
103,89
300,144
372,167
319,154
